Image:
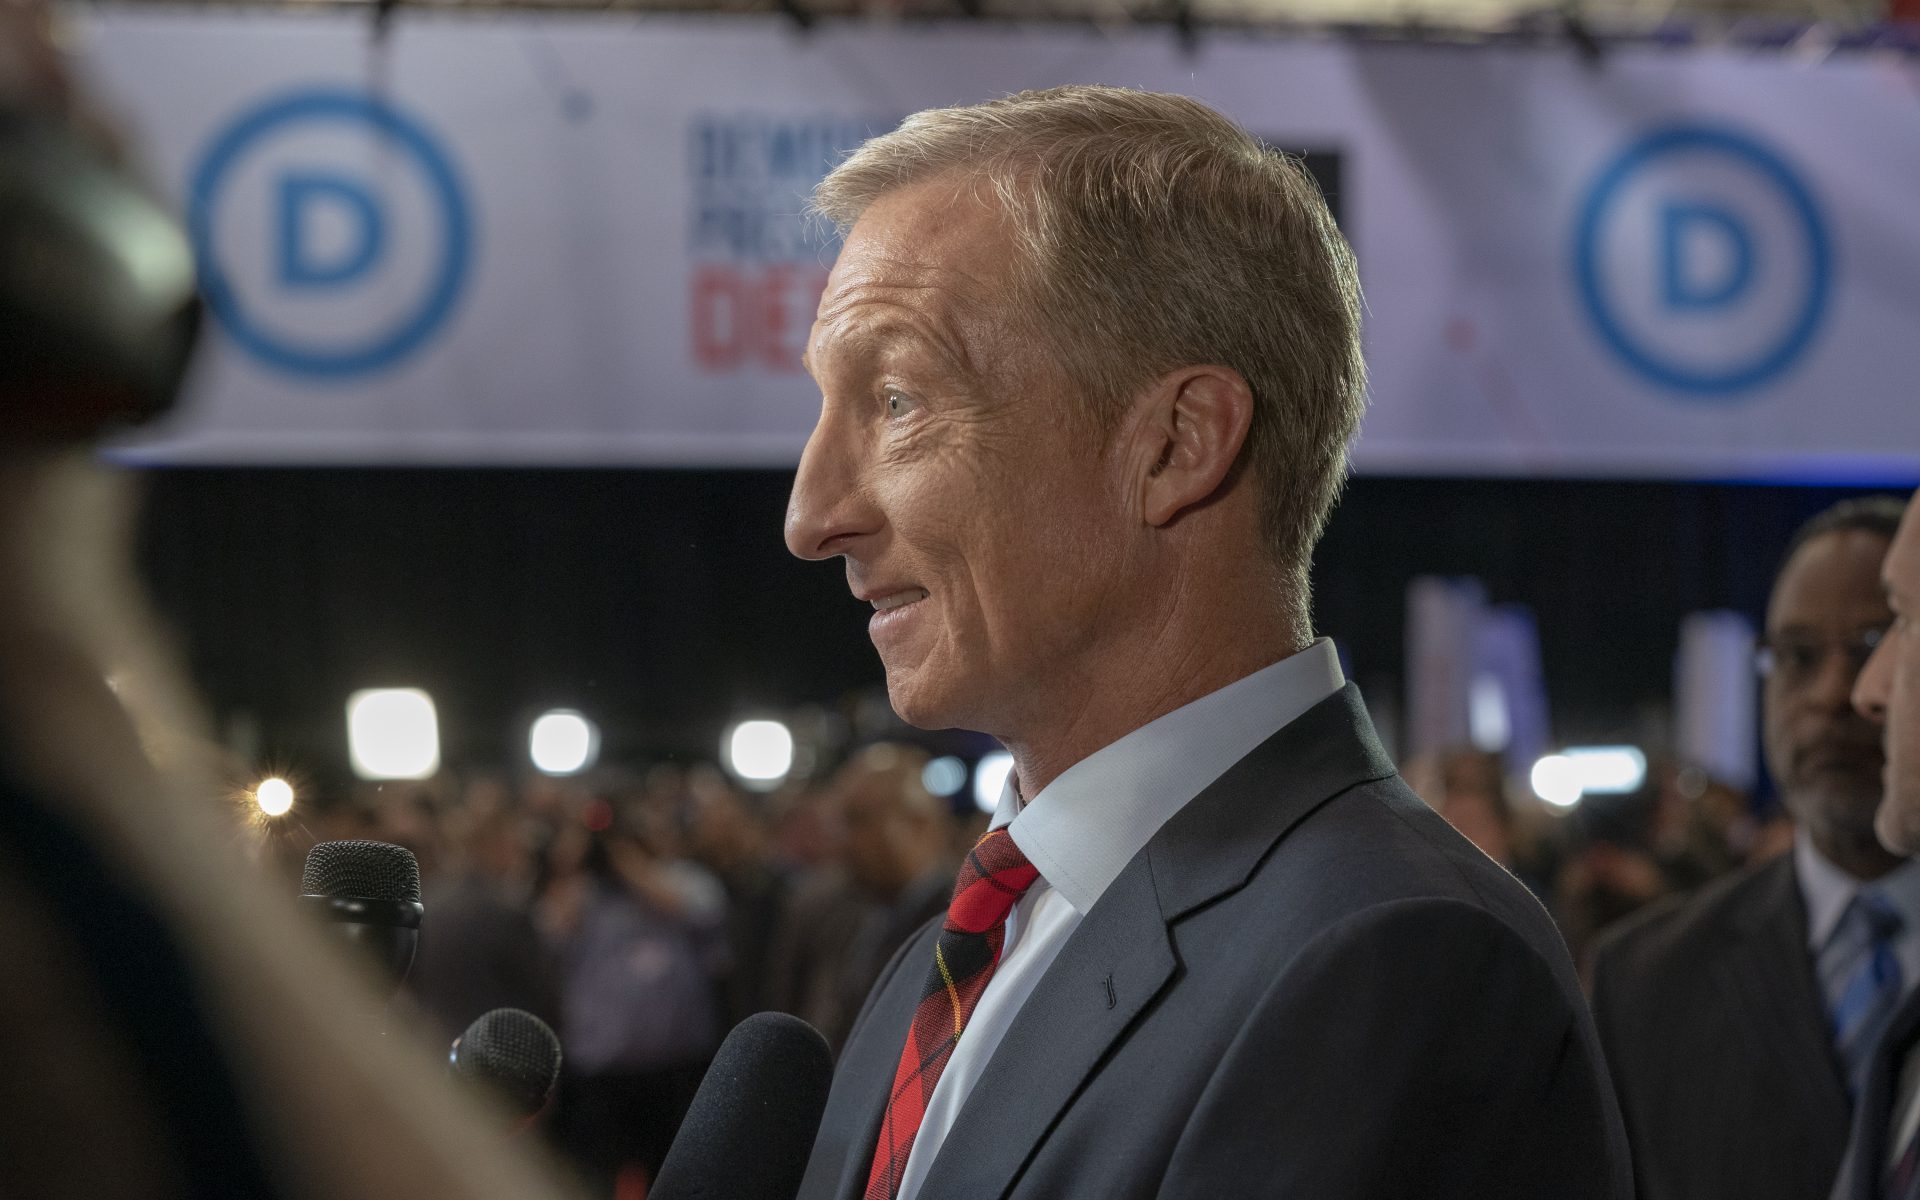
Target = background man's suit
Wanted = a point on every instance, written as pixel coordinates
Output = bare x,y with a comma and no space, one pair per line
1717,1038
1306,985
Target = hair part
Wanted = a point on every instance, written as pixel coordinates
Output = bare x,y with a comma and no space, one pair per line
1151,233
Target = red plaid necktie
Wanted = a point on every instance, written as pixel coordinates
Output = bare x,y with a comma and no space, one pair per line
991,882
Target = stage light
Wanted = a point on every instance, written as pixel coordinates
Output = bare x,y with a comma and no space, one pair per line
274,796
944,776
1556,780
1563,779
563,742
392,733
990,779
1608,770
760,753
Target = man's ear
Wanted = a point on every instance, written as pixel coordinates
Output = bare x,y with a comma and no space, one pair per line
1196,423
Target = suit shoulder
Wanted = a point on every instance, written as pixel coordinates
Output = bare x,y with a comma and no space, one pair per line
1379,844
1678,929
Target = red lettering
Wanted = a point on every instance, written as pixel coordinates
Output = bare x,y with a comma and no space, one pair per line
722,313
758,317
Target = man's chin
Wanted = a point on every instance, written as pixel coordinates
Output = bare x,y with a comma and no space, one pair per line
1897,824
919,706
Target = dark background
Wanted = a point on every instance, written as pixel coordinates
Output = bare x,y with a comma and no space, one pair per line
664,603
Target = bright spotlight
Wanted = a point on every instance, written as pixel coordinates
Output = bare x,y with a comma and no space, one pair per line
1556,779
990,779
392,733
1608,770
274,796
944,776
760,753
563,742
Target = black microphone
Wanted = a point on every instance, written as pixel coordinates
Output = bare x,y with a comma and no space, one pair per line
751,1127
370,892
513,1055
97,293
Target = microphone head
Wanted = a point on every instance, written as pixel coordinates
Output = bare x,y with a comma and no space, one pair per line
369,892
361,871
513,1054
750,1130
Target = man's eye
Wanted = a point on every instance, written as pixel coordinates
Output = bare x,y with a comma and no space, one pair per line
1802,659
898,403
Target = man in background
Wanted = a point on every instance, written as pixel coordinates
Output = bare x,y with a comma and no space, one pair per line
727,837
897,843
1739,1021
895,873
481,951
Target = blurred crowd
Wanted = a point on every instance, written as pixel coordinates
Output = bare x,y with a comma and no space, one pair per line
644,914
1612,855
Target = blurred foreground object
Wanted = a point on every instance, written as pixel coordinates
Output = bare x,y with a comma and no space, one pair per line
96,286
186,1032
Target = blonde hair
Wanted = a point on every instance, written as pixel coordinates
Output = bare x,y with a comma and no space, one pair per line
1152,233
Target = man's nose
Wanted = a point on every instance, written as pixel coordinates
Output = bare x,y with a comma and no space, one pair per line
829,509
1876,680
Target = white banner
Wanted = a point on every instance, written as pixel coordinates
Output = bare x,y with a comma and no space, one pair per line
579,239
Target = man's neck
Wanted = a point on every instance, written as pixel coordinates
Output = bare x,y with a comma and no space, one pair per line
1134,693
1865,860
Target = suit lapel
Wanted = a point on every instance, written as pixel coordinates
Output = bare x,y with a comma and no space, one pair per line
1121,957
1770,976
877,1057
1062,1031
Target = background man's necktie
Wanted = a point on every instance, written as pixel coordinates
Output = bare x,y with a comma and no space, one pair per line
991,882
1861,978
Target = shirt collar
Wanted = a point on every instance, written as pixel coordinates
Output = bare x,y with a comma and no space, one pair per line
1827,890
1084,827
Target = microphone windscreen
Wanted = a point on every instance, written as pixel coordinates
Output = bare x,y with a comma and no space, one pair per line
361,871
513,1054
751,1127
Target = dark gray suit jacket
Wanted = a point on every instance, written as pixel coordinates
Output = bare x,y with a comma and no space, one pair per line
1865,1163
1717,1039
1306,985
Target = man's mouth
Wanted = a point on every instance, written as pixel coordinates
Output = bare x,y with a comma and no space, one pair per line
895,600
1841,760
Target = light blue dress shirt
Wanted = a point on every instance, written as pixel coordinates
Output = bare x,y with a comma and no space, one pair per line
1827,890
1086,826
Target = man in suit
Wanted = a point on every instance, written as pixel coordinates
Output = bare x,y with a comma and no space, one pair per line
1738,1020
1883,1151
1090,361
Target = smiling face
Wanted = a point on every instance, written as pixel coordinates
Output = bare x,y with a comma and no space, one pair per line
989,530
1889,690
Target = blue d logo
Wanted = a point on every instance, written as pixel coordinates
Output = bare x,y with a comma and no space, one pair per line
1702,261
301,198
332,233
